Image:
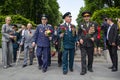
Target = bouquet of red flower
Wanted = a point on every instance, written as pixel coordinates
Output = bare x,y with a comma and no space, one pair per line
48,32
53,51
63,29
73,30
84,30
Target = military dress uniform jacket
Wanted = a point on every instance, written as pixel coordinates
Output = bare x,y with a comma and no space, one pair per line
68,38
81,35
39,37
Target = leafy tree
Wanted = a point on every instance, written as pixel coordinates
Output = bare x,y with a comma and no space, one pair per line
32,9
93,5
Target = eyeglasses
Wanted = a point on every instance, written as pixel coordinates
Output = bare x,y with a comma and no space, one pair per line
86,16
9,20
44,19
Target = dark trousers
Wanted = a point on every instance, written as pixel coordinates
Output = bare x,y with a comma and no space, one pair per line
49,57
42,55
86,51
67,52
60,57
113,55
15,54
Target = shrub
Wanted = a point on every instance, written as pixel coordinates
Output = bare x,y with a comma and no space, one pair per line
109,12
16,19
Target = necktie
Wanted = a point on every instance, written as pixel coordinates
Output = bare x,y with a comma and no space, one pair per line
69,27
108,31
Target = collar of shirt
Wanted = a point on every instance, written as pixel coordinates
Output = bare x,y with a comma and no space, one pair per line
111,24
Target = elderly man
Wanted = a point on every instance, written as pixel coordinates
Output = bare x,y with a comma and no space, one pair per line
68,42
42,38
27,39
87,34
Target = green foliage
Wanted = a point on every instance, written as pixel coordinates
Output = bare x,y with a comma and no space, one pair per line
93,5
16,19
110,12
79,18
32,9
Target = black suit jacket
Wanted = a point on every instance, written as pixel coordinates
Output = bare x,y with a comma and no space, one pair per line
87,41
113,35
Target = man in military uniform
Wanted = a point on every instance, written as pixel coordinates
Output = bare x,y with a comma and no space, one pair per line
42,40
68,44
87,34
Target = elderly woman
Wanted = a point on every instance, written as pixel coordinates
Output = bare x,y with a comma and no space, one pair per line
27,39
7,48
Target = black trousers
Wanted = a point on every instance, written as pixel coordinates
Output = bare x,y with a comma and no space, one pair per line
86,51
60,57
113,55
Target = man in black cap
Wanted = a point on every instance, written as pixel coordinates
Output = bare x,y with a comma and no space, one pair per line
42,39
67,32
87,34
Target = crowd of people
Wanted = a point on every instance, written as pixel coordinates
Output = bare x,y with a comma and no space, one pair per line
65,37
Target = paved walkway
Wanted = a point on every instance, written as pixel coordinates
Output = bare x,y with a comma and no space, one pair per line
101,72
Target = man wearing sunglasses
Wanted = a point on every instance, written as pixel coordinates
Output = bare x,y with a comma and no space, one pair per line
87,34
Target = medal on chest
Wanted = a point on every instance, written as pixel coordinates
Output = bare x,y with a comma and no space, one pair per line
30,33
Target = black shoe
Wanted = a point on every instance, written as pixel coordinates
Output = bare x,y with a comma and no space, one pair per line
71,70
39,67
110,67
59,65
44,70
90,70
82,73
49,65
10,66
114,69
30,64
24,65
64,72
99,55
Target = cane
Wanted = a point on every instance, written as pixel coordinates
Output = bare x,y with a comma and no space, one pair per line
18,55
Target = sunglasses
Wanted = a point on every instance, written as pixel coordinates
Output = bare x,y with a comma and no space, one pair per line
44,19
86,16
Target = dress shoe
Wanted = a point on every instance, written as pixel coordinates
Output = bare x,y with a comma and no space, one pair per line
71,70
5,67
114,69
65,72
10,66
25,65
49,65
59,65
82,73
110,67
39,67
30,64
90,70
44,70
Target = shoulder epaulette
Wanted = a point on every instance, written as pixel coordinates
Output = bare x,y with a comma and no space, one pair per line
49,24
